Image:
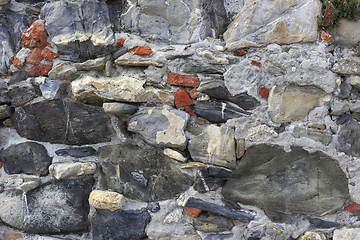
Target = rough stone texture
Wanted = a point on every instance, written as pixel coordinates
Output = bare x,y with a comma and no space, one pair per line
210,179
63,71
127,224
28,157
91,65
347,34
161,127
107,200
120,108
346,233
140,171
77,152
295,182
71,169
350,65
313,236
178,22
348,140
293,103
129,59
62,121
265,22
216,145
21,95
175,155
6,111
212,223
318,135
46,209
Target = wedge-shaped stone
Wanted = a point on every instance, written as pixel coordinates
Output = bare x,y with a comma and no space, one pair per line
106,200
296,182
263,22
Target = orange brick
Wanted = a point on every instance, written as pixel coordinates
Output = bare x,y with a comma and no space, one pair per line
183,80
194,94
193,212
120,42
142,51
35,57
17,63
353,208
182,99
12,236
49,55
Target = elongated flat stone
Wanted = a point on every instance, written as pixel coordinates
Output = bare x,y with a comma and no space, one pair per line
350,65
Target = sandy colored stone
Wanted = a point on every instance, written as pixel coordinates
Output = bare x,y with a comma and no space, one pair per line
65,170
346,234
347,34
106,200
350,65
192,165
63,71
174,155
312,236
240,147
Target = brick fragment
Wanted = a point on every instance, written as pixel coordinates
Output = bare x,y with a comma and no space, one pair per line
353,208
264,92
358,50
48,54
193,93
255,63
200,122
142,51
40,70
35,34
190,111
12,236
193,212
240,52
17,63
120,42
183,80
182,99
35,57
324,36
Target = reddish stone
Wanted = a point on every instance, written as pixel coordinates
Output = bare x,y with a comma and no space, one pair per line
358,50
200,122
49,55
3,77
194,94
189,111
43,44
9,73
324,36
183,80
193,212
264,92
35,57
255,63
1,164
240,52
34,34
12,236
182,99
17,63
353,208
120,42
40,70
142,51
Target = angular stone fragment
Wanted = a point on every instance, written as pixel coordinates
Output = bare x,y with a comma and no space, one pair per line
71,169
183,80
142,51
5,111
292,103
353,208
212,223
127,224
140,171
92,65
128,59
296,182
40,70
35,57
346,233
265,22
259,133
107,200
77,152
348,139
192,165
182,99
210,178
347,34
28,158
344,66
35,36
219,112
174,155
319,223
354,81
161,127
63,71
58,121
120,108
216,145
20,58
49,55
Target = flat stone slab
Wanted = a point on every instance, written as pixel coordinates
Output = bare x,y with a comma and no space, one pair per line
296,182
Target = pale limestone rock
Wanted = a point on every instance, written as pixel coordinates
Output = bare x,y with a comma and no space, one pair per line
23,54
3,2
350,65
259,133
192,165
129,59
313,236
346,234
63,71
65,170
216,145
354,81
263,22
347,34
117,108
292,103
106,200
174,155
240,147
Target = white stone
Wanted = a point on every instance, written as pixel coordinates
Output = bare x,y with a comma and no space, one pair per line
174,155
259,133
65,170
112,201
346,234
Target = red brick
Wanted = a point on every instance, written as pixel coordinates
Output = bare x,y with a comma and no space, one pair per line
142,51
34,34
324,36
35,57
42,44
183,80
358,50
12,236
240,52
264,92
182,99
200,122
40,70
194,94
193,212
120,42
353,208
255,63
49,55
17,63
189,111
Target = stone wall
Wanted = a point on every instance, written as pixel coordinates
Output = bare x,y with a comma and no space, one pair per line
177,119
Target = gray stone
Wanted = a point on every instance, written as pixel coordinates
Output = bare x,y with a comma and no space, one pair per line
120,52
318,135
63,71
28,158
177,22
340,108
296,182
50,89
212,223
120,108
161,127
319,223
58,121
97,64
140,171
18,77
21,95
77,152
129,59
345,66
354,81
348,139
201,67
5,111
265,22
210,178
347,34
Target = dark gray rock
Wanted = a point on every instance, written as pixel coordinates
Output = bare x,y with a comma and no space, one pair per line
295,182
212,223
219,112
343,119
280,217
27,157
218,236
348,139
56,207
154,207
318,223
140,171
121,51
77,152
21,95
119,225
62,121
219,210
18,77
210,179
4,98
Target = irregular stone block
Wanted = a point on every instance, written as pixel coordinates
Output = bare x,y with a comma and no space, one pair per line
77,152
128,59
216,145
292,103
6,111
120,108
92,65
219,112
161,127
347,34
66,170
266,22
127,224
346,233
63,71
140,171
348,139
57,121
212,223
354,81
107,200
296,182
344,66
28,158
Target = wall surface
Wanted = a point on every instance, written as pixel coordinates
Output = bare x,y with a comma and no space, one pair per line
177,119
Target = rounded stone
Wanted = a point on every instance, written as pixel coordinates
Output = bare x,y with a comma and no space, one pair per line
106,200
